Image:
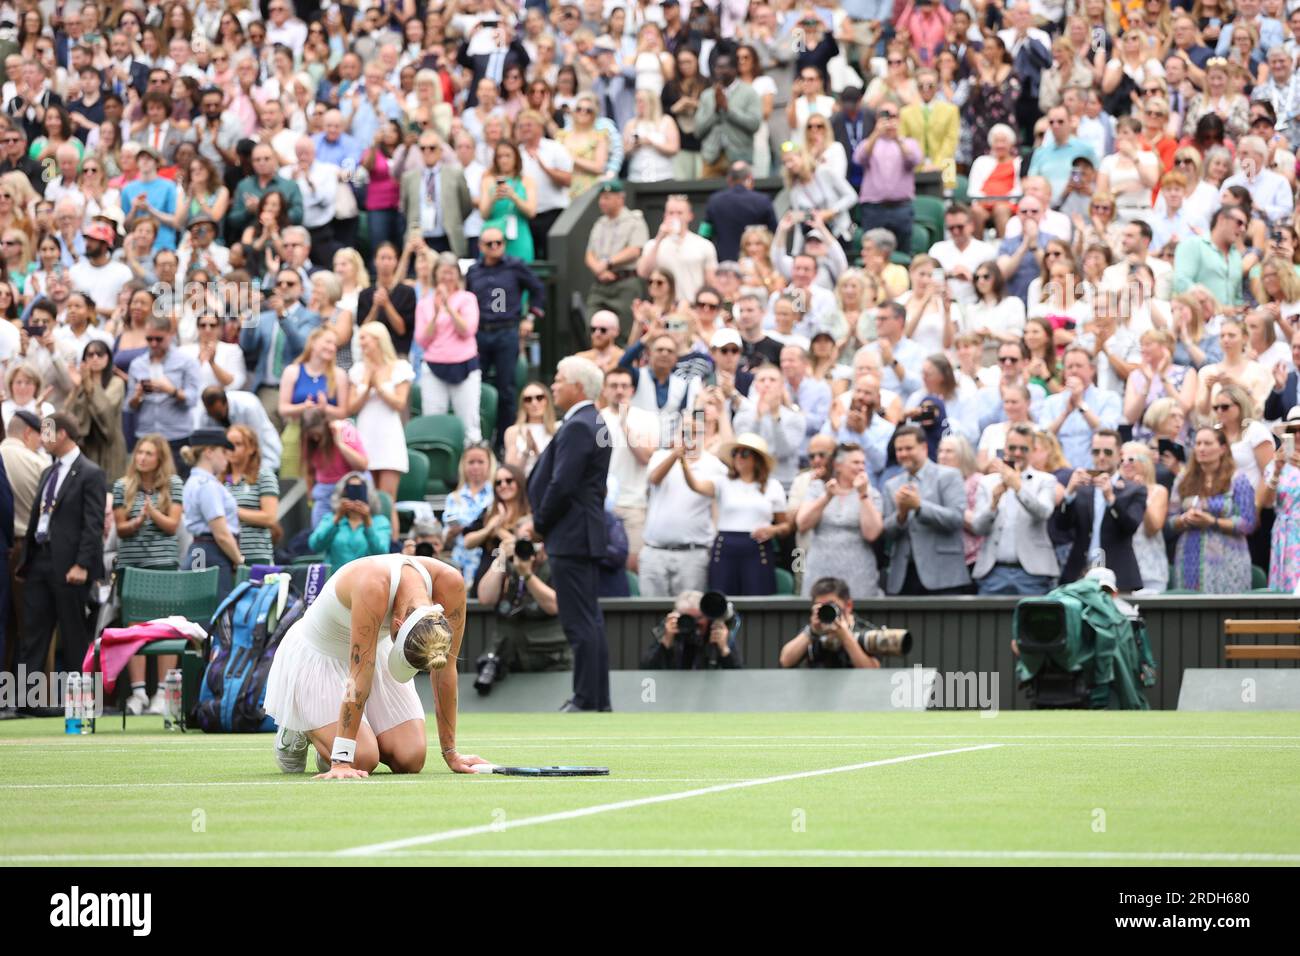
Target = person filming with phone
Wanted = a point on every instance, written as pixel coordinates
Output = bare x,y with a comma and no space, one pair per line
1106,541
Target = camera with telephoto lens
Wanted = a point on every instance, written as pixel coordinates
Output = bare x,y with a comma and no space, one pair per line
886,641
714,606
491,668
827,615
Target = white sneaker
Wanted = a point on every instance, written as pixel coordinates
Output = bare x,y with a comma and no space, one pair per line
137,703
158,706
291,750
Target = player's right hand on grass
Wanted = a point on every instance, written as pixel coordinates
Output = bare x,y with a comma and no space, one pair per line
342,771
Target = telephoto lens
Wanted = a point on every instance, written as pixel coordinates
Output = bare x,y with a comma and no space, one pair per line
828,614
887,641
524,549
713,605
490,668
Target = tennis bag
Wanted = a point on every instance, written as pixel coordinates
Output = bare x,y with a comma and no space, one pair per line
245,631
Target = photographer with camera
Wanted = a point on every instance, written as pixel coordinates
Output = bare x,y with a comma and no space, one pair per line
833,637
529,636
699,634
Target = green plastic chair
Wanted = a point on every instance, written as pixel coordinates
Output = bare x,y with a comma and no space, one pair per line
488,404
633,584
922,239
415,482
1258,578
430,430
784,581
962,192
928,210
521,373
147,595
415,401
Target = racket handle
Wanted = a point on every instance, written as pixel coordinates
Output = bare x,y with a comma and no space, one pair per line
484,767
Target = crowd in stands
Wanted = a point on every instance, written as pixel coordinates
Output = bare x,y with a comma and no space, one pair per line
241,241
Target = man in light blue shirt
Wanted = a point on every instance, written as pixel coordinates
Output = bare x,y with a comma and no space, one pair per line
163,385
865,425
371,105
1269,191
900,357
149,194
1013,362
1054,160
1270,30
1079,410
337,147
811,395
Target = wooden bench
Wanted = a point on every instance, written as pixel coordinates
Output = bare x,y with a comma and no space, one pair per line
1261,652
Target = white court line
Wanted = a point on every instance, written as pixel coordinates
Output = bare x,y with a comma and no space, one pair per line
294,781
1115,856
444,835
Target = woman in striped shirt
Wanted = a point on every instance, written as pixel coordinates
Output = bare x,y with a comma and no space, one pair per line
257,493
147,512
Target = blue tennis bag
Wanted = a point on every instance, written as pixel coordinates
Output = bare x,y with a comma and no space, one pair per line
243,636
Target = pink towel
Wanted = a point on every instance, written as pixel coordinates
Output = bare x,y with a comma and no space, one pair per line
119,644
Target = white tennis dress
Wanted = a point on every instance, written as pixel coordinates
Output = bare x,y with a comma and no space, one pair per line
310,671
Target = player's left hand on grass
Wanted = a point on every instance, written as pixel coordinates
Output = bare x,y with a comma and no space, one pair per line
463,763
342,772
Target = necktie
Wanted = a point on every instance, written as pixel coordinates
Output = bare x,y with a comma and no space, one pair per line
277,353
1098,513
47,504
157,136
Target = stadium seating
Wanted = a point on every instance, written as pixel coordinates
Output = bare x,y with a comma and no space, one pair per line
784,581
415,483
441,438
489,401
928,212
633,584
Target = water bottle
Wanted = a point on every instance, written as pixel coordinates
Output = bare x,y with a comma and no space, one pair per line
72,704
87,703
173,719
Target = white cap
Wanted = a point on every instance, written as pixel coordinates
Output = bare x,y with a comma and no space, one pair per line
725,337
1104,577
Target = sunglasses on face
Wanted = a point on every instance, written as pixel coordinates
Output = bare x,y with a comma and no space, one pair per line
1023,449
707,305
1008,359
503,481
980,276
492,243
1222,408
742,453
729,350
603,328
658,282
155,339
1103,452
529,399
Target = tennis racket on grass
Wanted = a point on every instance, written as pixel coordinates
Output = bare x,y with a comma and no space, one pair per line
542,771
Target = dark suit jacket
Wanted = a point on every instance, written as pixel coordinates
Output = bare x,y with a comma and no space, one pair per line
77,523
6,515
567,488
731,211
839,126
1121,522
516,55
1279,403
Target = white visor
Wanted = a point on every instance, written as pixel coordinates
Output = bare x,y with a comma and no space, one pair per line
398,664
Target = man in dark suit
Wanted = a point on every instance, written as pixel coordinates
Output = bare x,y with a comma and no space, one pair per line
1108,539
567,493
851,125
730,211
64,552
1284,396
6,544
